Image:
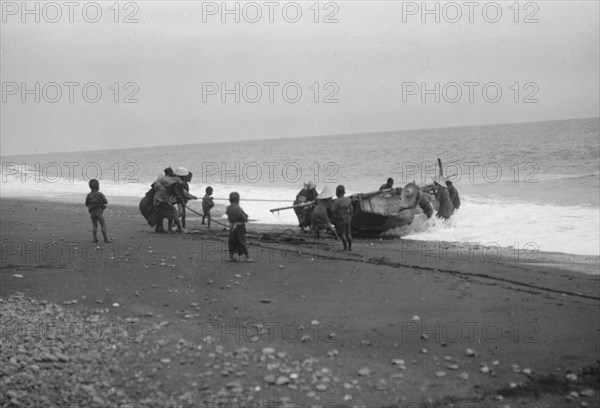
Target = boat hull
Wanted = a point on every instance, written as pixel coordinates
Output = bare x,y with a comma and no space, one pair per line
378,212
368,224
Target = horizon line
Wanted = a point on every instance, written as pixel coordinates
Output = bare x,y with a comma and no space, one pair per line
299,137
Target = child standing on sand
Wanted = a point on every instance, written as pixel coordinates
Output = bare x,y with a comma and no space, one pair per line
237,233
207,204
96,203
342,216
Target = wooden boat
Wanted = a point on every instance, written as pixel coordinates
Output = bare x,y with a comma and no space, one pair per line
379,211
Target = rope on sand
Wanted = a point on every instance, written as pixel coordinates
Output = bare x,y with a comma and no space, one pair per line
227,199
377,261
202,215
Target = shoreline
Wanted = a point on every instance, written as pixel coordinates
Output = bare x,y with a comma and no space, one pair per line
587,264
377,309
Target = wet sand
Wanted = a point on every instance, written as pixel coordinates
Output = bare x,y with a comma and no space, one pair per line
388,323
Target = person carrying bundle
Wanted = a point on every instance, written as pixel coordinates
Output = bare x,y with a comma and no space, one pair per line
167,191
306,195
147,202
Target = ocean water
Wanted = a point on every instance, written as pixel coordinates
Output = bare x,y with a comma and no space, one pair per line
534,184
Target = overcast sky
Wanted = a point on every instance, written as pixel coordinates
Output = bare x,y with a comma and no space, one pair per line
176,51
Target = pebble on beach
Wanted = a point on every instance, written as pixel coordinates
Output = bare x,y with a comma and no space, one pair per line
282,380
270,379
365,372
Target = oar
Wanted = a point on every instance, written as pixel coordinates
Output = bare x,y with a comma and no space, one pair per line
301,205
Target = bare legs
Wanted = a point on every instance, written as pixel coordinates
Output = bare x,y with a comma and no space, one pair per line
97,217
346,236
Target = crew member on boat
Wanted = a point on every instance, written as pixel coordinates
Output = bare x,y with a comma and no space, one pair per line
389,184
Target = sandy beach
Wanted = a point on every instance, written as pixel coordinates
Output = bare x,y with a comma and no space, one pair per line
487,112
392,323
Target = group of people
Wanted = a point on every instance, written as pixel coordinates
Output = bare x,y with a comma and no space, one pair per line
169,194
446,196
320,212
167,198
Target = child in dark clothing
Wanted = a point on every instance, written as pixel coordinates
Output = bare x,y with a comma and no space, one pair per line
342,216
96,203
207,204
237,233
